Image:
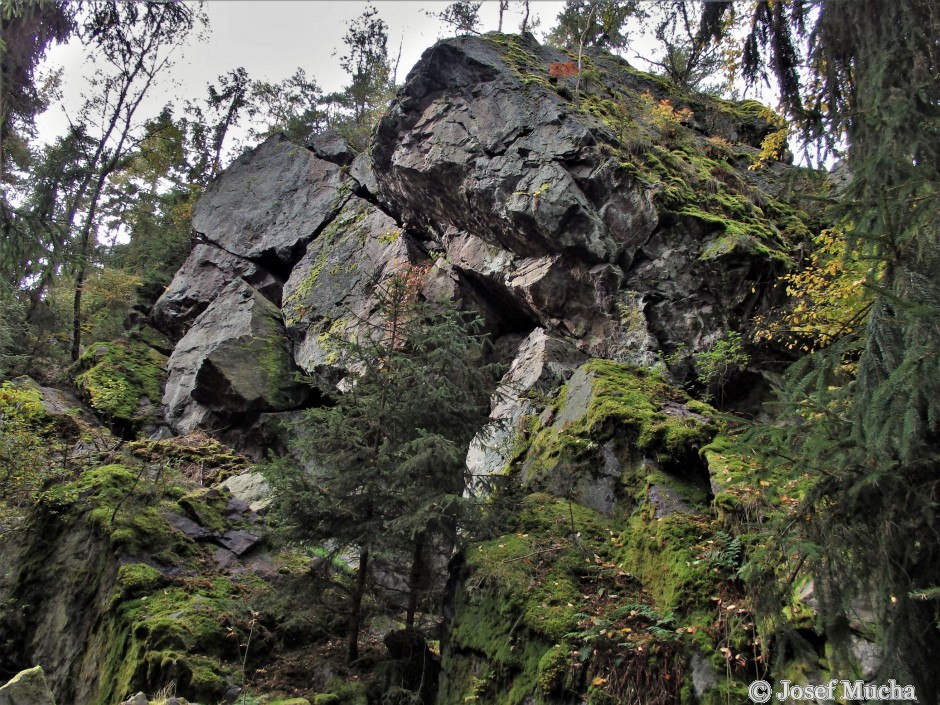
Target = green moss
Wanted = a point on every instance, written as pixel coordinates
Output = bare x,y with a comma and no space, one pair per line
554,670
527,67
206,507
168,633
33,445
21,402
133,578
342,693
628,403
273,355
115,376
195,455
667,555
752,487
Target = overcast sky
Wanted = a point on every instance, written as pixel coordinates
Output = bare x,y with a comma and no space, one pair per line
272,38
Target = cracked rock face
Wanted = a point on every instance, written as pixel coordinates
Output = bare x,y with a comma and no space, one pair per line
330,282
207,271
467,145
519,203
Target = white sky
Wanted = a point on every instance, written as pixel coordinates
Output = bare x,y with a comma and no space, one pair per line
272,38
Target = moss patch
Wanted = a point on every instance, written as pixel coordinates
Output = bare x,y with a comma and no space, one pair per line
330,263
574,605
617,411
196,456
170,612
115,376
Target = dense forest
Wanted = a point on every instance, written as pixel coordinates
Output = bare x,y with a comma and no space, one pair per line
535,376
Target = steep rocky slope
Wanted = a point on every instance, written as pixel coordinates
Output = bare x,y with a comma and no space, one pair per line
611,234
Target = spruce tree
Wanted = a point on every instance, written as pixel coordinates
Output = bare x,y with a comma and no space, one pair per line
862,76
382,470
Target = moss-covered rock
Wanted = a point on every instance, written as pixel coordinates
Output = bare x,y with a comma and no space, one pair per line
613,431
115,598
549,613
27,687
122,381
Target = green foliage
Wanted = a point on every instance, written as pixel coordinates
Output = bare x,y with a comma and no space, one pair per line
864,80
383,468
369,67
464,16
594,23
12,313
36,445
716,365
292,106
22,447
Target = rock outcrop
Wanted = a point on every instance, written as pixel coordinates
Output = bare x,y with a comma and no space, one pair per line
609,233
234,361
622,221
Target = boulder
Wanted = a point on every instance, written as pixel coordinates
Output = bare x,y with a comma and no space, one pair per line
122,381
330,146
271,201
239,541
465,144
207,271
251,488
27,687
235,359
619,435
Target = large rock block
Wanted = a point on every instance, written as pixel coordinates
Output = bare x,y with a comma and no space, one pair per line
234,360
619,435
623,218
469,145
271,202
207,271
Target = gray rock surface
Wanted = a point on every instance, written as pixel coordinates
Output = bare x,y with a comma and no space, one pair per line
666,502
207,271
465,145
330,146
542,363
187,526
239,541
27,688
330,283
250,487
271,201
235,359
547,218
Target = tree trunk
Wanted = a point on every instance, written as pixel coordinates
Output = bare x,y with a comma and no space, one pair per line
77,314
355,609
414,579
